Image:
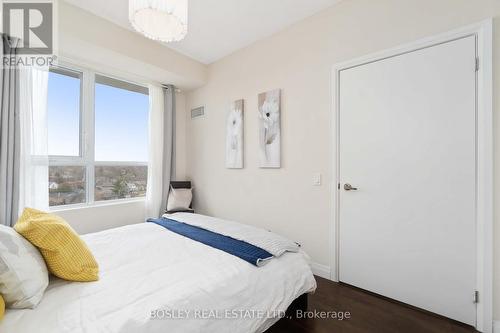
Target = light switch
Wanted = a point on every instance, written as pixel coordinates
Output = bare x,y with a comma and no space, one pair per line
316,179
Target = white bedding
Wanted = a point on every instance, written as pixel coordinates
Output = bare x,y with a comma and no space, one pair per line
145,267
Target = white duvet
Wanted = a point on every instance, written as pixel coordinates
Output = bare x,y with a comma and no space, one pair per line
146,269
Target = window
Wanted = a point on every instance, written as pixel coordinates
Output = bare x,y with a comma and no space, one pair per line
118,182
121,121
121,139
66,182
63,106
98,138
66,185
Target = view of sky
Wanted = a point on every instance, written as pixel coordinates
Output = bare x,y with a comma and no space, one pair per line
121,121
63,115
121,125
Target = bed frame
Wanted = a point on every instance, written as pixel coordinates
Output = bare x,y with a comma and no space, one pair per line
299,304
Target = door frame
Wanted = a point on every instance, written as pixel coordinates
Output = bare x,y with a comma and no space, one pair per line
484,159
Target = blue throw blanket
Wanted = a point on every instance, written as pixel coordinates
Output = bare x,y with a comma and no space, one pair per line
248,252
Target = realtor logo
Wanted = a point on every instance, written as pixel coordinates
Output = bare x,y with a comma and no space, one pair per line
30,26
32,23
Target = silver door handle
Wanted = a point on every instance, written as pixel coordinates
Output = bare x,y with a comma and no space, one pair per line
348,187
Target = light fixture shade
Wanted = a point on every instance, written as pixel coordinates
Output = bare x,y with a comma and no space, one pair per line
163,20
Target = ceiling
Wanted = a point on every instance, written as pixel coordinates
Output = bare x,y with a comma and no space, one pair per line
220,27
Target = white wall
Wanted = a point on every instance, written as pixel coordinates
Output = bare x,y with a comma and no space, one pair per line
299,61
93,219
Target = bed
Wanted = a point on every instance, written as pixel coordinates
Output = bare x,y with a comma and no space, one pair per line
154,280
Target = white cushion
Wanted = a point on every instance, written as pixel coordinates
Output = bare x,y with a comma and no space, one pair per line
23,273
179,199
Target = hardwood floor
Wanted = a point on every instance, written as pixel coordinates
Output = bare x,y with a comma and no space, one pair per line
369,314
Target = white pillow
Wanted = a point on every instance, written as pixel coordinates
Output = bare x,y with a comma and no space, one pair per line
179,199
23,273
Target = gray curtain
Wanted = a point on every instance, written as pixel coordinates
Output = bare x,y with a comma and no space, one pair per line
168,143
10,135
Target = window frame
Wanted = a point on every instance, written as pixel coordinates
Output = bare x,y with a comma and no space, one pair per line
86,157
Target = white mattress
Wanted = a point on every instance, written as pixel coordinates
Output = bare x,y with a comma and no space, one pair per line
145,267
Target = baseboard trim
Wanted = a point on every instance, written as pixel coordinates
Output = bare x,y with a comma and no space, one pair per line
321,270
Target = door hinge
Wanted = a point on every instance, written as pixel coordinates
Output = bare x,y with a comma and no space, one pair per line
477,64
476,296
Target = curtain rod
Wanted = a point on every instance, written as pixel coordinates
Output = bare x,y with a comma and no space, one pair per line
168,86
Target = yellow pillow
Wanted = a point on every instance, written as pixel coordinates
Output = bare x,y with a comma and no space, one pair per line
65,253
2,307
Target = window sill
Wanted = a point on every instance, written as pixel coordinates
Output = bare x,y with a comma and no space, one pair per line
96,204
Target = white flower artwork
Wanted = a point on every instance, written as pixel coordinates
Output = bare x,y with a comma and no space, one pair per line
234,136
270,129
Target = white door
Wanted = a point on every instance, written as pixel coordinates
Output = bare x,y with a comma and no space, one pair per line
407,142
